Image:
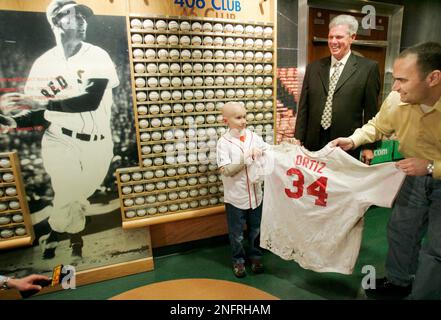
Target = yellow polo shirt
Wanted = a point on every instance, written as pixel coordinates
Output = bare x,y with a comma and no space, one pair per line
419,133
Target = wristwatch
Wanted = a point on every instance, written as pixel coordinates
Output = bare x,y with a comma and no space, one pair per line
4,282
430,168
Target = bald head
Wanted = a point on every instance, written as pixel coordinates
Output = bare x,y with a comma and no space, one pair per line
232,108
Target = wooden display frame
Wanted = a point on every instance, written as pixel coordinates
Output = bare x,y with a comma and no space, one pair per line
130,220
28,238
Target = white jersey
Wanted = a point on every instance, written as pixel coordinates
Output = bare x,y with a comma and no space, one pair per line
314,205
54,77
239,190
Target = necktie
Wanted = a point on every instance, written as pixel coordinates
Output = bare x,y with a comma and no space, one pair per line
327,111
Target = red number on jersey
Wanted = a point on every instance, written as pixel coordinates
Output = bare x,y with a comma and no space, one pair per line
298,184
316,189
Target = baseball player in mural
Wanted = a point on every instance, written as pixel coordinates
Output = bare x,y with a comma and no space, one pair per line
69,89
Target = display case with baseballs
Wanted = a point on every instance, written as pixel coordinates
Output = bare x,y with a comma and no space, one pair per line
184,70
15,222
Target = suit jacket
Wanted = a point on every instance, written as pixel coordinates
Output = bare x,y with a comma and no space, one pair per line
355,99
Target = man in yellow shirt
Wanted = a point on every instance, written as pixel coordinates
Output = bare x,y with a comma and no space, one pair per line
413,113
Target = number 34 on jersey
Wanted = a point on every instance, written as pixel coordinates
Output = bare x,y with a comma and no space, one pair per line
315,189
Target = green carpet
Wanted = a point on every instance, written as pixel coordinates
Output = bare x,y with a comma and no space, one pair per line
285,279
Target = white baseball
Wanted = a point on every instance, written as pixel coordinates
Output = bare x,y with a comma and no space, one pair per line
8,177
138,188
11,191
147,24
135,23
128,202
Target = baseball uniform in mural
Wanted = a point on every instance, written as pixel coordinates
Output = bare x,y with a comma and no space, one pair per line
314,204
77,147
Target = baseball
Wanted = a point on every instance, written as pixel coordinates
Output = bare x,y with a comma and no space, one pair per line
239,55
268,44
218,41
158,161
258,31
258,93
196,54
155,123
229,42
128,202
186,68
240,68
149,187
187,81
162,197
238,28
228,28
176,82
175,68
165,96
173,196
229,68
135,23
152,210
207,41
229,81
171,184
179,134
268,31
208,67
199,106
173,207
183,194
207,27
208,54
258,56
139,82
126,190
194,204
183,206
198,81
240,93
161,40
141,96
162,209
230,93
213,167
213,190
130,214
258,80
249,105
238,42
170,159
6,233
203,202
196,41
192,157
163,54
203,180
148,175
213,201
166,122
220,93
249,80
147,24
136,176
258,116
3,206
249,30
173,40
138,53
209,106
185,54
185,26
173,26
171,172
184,41
149,39
141,212
249,43
192,181
182,170
209,94
191,145
156,136
146,150
136,38
152,68
219,81
4,220
267,93
188,94
174,54
147,162
165,82
268,115
5,163
161,25
152,82
268,56
219,54
157,148
17,218
178,121
259,105
8,177
139,201
176,95
249,68
217,27
258,44
268,68
150,199
196,26
164,68
11,191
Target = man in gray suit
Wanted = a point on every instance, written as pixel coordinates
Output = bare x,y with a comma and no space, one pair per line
339,93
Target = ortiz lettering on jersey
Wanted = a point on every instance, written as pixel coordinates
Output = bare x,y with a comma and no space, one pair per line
314,203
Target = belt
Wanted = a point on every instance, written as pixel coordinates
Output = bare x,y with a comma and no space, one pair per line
82,136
